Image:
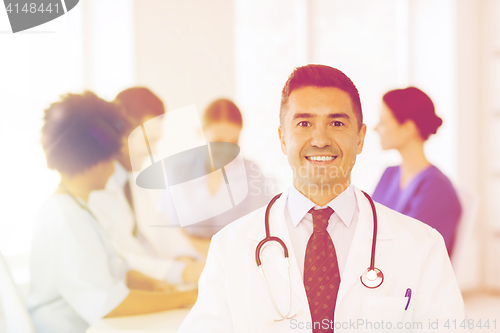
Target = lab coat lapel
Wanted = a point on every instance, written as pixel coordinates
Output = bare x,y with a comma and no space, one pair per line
274,255
358,259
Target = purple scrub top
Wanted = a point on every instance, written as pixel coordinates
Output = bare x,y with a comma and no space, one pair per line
428,197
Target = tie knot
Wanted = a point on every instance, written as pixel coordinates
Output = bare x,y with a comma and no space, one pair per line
321,218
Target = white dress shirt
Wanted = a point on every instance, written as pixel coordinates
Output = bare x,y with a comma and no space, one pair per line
341,226
113,211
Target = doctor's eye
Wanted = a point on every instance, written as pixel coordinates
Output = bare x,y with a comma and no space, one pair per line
304,123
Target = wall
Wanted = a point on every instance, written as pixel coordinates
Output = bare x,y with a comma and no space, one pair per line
185,50
108,46
489,147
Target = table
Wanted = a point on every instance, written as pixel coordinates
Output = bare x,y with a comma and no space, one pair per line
165,322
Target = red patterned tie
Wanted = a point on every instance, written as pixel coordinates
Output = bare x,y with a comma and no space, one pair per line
321,273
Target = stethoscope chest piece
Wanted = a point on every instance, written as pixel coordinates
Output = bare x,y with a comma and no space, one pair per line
372,278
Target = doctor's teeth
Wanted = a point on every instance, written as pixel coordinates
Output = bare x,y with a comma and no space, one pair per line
320,158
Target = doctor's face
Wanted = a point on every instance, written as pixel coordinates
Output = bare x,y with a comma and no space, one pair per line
321,139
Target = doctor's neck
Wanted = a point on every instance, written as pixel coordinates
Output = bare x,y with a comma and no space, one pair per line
321,194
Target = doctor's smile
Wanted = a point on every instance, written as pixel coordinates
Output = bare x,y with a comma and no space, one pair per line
320,134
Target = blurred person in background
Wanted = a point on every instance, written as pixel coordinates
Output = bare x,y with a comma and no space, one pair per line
222,122
416,187
77,276
127,211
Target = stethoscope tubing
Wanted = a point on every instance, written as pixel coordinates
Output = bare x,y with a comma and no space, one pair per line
371,269
268,234
270,238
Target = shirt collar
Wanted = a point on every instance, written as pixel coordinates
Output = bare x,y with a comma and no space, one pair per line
344,205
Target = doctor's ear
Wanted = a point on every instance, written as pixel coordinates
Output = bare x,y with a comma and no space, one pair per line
281,134
361,139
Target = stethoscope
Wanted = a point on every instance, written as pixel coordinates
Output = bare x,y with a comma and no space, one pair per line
372,278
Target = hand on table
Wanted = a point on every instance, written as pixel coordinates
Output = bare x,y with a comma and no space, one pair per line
163,286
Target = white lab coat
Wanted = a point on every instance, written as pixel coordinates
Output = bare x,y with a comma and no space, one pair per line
233,297
155,249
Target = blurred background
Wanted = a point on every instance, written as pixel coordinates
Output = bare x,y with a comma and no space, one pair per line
194,51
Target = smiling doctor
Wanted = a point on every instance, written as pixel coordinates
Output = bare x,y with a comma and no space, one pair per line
353,267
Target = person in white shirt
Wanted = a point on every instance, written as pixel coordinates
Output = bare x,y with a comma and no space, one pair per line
127,211
328,283
77,277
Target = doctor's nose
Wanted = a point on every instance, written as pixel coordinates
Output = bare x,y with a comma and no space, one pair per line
321,138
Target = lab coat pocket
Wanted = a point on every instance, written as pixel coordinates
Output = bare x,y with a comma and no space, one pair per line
383,314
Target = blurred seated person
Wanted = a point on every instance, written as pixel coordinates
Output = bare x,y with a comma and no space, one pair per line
77,276
416,187
127,211
222,122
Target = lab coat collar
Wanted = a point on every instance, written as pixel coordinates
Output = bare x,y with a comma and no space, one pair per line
344,205
358,259
365,217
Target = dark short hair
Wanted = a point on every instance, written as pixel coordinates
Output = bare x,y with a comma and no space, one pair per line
139,102
80,131
323,77
222,110
413,104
